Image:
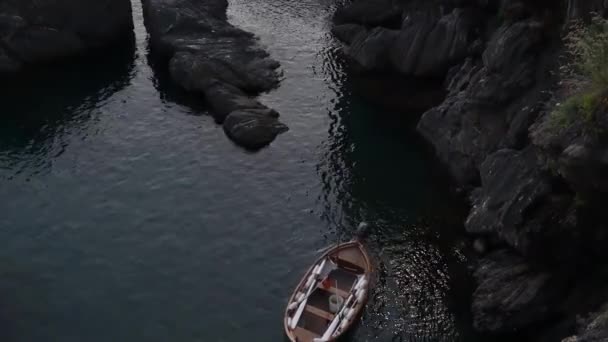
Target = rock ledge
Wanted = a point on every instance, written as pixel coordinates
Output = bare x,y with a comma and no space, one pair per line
206,54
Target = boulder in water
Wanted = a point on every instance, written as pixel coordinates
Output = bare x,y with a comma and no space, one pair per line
252,128
225,99
208,55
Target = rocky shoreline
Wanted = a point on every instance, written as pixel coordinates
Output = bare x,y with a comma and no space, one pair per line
207,55
41,32
192,39
536,191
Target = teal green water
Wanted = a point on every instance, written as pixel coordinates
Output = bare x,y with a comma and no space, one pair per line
127,215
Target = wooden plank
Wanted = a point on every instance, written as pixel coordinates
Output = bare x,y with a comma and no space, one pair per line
334,290
304,335
316,311
339,292
352,255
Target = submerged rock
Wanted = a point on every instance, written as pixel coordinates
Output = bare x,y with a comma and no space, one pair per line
253,128
35,32
208,55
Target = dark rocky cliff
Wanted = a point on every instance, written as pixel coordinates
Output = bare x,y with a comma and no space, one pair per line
35,32
537,192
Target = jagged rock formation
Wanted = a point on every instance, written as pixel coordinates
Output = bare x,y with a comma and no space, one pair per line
417,44
593,329
501,275
536,192
205,54
35,32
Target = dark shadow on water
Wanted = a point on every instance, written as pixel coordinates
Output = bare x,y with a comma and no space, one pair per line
398,94
375,167
22,295
43,101
168,90
374,162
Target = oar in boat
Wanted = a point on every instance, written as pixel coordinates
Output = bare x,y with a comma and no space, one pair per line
338,319
313,279
321,324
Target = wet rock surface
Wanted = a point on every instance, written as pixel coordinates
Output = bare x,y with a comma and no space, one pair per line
536,192
253,128
38,32
371,49
511,295
511,184
205,54
592,329
420,45
471,123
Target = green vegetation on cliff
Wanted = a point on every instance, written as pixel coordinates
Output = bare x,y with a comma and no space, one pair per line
585,75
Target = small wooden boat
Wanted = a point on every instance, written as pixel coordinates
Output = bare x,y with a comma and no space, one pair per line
331,296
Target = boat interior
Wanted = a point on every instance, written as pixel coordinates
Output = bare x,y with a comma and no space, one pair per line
317,315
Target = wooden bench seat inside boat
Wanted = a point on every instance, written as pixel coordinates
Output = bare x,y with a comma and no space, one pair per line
310,317
319,299
351,260
343,279
333,290
304,334
313,323
321,313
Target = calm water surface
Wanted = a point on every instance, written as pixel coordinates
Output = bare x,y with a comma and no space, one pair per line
127,215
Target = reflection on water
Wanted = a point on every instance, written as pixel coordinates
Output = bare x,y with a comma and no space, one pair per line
372,172
44,105
373,167
127,215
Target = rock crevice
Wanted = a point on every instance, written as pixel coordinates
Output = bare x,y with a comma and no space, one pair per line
537,193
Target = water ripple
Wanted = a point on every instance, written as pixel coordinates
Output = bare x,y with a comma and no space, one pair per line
119,194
